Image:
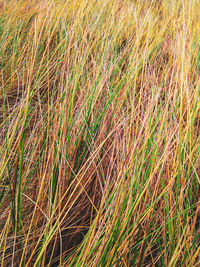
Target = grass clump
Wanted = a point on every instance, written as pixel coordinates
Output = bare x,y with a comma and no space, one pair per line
99,133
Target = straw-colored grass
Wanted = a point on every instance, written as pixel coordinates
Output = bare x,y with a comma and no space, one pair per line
100,133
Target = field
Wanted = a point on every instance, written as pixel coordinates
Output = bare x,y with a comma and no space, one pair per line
100,133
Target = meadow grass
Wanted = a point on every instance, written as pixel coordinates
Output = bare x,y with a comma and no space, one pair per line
100,133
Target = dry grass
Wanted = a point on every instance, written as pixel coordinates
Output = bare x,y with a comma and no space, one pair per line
99,133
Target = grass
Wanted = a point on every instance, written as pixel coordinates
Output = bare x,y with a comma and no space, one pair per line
99,133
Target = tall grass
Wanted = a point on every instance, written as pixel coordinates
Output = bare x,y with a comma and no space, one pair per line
100,133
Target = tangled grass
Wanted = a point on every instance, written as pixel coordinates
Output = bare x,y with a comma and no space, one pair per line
100,133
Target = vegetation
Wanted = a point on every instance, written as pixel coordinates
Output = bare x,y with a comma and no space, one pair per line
100,133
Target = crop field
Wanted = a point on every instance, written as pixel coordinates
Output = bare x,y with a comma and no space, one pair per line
100,133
